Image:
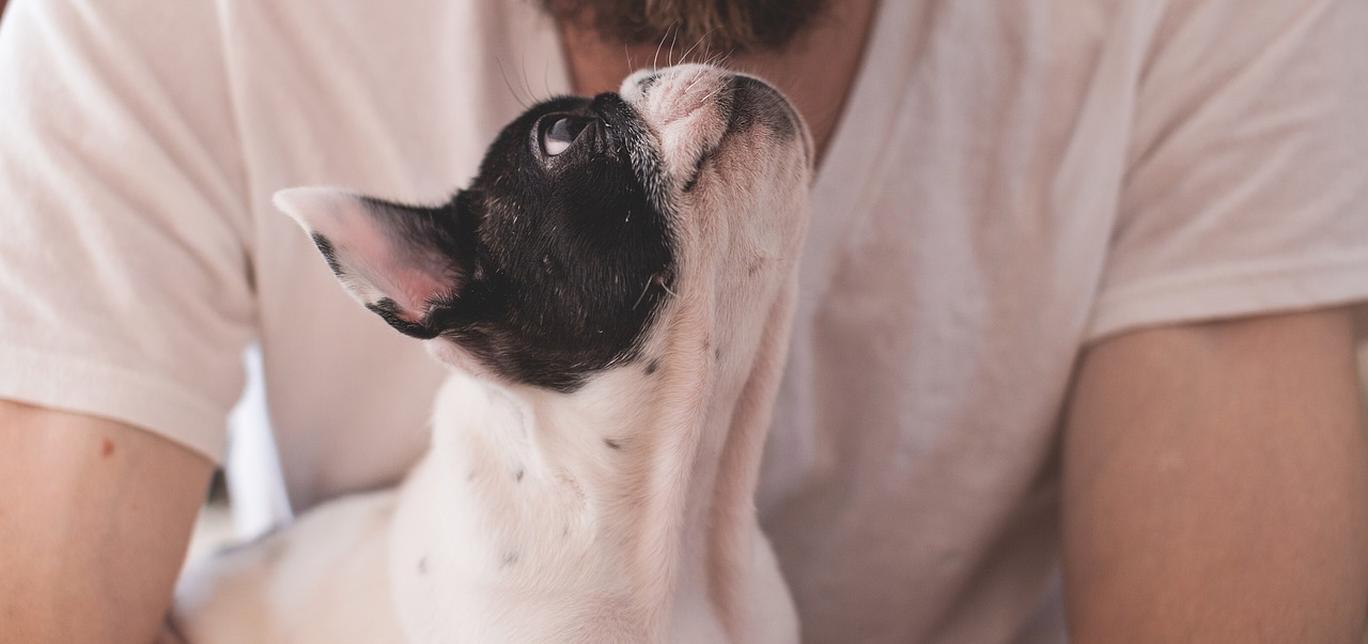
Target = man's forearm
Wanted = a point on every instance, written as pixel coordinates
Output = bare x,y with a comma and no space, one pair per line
94,520
1216,486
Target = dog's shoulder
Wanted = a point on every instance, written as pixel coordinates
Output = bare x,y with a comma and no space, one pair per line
321,579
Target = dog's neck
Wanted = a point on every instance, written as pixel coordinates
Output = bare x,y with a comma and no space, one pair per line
637,488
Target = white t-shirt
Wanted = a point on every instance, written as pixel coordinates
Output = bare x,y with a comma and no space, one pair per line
1010,181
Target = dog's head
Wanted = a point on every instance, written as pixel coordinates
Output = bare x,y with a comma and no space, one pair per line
588,219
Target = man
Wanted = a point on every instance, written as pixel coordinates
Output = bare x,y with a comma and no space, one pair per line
1078,293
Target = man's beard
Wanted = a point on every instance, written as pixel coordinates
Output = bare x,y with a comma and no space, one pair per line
715,26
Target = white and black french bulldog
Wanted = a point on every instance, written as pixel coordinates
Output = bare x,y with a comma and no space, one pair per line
613,296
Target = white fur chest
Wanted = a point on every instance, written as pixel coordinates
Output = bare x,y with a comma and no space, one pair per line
517,528
506,533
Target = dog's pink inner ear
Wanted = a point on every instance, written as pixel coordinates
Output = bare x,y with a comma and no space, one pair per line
373,254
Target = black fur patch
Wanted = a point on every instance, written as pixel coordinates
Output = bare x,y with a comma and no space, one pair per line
703,160
387,310
555,259
752,101
329,254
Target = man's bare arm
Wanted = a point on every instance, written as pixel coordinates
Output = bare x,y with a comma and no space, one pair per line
94,521
1216,485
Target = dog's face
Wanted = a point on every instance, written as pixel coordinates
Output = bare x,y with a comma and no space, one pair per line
587,218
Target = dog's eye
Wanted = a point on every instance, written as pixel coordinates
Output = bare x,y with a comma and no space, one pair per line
558,133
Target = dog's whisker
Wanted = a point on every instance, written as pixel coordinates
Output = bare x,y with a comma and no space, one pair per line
511,91
683,57
673,38
546,73
713,93
659,280
655,60
707,53
641,297
693,83
527,85
700,76
720,59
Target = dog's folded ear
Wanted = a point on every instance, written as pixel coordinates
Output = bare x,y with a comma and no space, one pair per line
399,261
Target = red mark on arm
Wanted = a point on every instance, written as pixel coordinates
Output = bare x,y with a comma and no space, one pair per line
106,447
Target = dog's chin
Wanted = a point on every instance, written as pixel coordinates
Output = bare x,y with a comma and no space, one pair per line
704,114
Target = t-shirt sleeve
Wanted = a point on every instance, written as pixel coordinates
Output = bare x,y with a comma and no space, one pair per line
124,281
1247,183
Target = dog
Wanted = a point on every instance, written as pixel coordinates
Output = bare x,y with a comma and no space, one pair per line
613,295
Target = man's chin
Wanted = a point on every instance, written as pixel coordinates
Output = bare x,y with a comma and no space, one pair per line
733,26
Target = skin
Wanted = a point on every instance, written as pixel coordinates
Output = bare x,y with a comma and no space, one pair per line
94,517
1214,483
